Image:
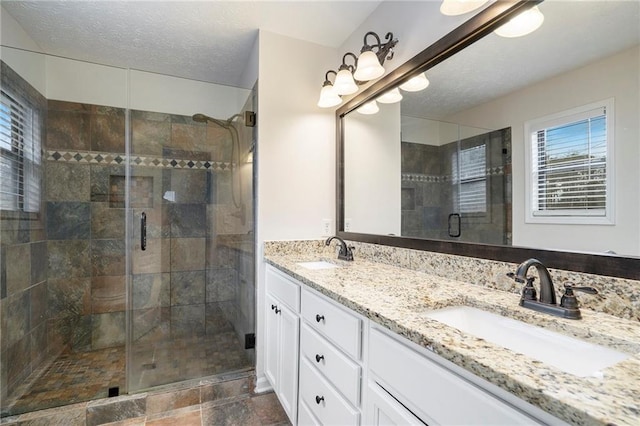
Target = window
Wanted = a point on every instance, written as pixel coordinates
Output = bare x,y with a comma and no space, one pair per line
469,169
570,166
20,155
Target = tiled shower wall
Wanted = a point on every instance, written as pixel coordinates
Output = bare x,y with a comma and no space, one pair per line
180,171
428,195
23,273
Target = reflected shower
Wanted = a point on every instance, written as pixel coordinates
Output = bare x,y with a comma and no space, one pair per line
235,148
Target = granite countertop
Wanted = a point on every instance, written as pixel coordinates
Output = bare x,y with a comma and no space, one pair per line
398,298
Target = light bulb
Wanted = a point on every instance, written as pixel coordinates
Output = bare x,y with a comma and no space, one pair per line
417,83
369,108
368,67
344,83
460,7
390,97
328,97
523,24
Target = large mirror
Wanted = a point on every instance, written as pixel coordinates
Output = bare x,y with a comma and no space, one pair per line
528,142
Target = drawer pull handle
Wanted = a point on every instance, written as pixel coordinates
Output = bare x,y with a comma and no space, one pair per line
319,399
319,318
273,307
278,310
319,358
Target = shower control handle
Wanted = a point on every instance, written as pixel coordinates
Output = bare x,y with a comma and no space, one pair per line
143,231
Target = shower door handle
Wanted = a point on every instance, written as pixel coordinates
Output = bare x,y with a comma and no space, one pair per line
454,225
143,231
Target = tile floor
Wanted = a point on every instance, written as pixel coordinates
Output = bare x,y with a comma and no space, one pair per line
76,377
215,401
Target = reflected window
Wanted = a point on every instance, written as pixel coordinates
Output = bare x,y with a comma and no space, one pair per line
569,165
469,167
20,155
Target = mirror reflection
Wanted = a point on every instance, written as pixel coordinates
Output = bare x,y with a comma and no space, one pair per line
529,141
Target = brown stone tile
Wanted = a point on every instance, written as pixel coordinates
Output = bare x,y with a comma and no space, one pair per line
68,130
116,409
180,417
107,294
268,409
234,413
149,137
187,254
186,136
228,389
107,131
172,400
137,421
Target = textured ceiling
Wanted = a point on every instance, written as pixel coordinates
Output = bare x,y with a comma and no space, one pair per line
203,40
574,33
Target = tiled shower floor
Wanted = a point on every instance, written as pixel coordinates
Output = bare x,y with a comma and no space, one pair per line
84,376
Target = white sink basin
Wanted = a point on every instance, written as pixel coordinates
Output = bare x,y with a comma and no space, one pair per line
569,354
321,264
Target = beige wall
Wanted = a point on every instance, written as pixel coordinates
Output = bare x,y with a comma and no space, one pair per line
614,77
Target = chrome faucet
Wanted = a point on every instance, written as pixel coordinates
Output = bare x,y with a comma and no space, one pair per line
568,307
346,252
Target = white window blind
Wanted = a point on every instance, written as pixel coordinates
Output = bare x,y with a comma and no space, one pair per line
569,170
20,155
469,167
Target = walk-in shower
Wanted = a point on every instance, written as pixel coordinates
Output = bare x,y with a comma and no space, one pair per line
85,312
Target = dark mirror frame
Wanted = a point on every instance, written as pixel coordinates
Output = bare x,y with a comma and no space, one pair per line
466,34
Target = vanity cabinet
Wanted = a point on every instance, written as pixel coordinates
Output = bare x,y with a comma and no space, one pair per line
282,337
331,366
411,386
330,362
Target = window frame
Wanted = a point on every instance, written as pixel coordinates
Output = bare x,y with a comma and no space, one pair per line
565,216
25,156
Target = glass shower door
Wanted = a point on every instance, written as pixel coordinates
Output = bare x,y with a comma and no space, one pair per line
190,271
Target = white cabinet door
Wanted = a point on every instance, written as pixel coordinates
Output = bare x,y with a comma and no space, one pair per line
272,340
288,365
382,410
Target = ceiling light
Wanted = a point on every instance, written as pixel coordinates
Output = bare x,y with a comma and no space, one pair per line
417,83
367,67
328,95
390,97
523,24
369,108
460,7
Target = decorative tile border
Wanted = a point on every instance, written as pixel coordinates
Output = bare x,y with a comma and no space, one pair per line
107,158
419,177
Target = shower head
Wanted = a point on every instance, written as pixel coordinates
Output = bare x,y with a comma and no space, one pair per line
200,118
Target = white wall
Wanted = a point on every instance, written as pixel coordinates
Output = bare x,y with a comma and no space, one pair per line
21,53
372,171
615,77
295,155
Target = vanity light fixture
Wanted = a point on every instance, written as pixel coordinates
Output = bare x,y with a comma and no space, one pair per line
415,84
369,108
390,97
344,83
366,67
522,24
460,7
328,95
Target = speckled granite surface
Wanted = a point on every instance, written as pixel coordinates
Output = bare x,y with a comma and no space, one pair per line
397,297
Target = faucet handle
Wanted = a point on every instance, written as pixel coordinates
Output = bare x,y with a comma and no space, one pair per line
584,289
569,300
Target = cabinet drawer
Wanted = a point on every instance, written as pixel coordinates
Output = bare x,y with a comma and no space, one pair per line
283,288
305,418
342,372
339,326
432,392
323,400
